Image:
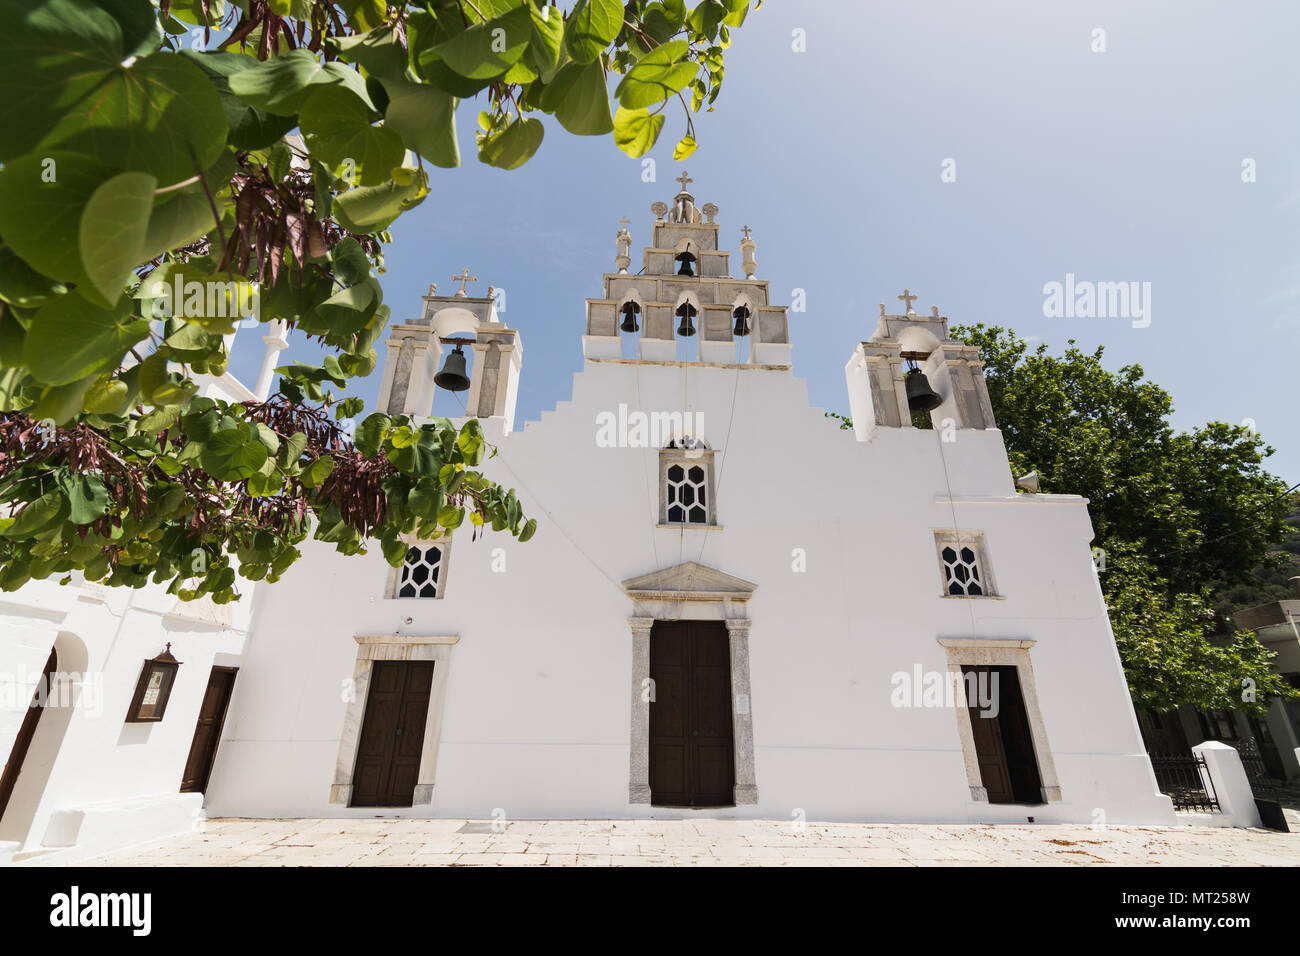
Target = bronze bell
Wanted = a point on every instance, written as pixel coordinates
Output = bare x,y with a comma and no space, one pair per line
741,315
630,310
686,259
453,377
687,312
920,396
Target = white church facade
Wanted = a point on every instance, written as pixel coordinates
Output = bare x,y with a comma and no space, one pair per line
731,607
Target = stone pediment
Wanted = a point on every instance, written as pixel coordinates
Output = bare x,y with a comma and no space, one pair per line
689,581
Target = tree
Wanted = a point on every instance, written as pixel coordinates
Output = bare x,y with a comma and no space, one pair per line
1173,512
152,190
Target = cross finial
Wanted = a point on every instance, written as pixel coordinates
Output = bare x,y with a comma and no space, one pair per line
684,179
624,222
908,299
746,230
463,278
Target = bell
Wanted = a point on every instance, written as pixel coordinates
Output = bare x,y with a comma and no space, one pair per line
687,312
686,259
741,316
453,377
630,309
920,396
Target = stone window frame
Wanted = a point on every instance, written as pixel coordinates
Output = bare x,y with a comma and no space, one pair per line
977,541
686,457
394,647
691,592
1002,652
395,574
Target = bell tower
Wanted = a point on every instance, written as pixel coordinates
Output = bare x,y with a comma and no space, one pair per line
458,334
685,290
911,364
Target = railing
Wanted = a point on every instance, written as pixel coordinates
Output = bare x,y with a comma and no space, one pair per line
1185,779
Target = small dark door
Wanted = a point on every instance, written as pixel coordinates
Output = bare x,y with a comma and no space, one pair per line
207,733
1004,744
392,734
691,743
14,766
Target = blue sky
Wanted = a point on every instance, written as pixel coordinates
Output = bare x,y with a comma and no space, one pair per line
1117,166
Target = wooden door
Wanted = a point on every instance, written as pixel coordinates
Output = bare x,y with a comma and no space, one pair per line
392,734
692,762
14,765
207,732
1004,744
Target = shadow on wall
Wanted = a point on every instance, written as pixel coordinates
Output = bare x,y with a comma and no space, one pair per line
61,700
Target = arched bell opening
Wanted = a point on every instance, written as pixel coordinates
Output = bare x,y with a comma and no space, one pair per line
630,327
922,399
453,378
685,263
686,330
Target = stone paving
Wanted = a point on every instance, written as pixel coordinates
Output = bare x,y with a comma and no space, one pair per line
335,842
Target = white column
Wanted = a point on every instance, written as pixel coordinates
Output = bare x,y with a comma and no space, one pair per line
276,341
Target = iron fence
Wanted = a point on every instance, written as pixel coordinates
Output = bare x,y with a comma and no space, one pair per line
1185,779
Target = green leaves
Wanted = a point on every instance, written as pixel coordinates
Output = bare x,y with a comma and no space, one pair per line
113,227
41,202
161,116
579,99
55,53
122,153
373,208
488,49
282,84
512,146
636,131
592,26
657,75
424,117
234,453
336,126
71,338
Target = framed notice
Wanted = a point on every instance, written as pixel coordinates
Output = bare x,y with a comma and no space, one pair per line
154,689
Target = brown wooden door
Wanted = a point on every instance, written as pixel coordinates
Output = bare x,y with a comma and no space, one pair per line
692,760
207,732
1004,743
392,734
14,765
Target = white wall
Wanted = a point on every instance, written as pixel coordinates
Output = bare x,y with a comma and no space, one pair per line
84,756
538,699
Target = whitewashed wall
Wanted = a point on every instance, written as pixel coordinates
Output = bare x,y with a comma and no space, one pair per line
537,710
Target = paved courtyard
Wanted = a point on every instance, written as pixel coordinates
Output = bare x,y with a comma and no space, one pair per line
239,842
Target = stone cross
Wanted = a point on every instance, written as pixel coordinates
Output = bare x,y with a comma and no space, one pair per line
463,278
908,299
684,179
746,230
624,222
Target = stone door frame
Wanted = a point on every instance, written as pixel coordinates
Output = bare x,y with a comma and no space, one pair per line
993,652
691,592
394,647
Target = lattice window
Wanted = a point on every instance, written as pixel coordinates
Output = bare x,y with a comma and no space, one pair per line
962,555
688,494
423,573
